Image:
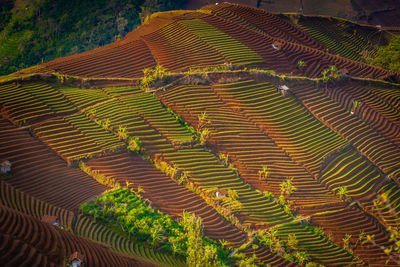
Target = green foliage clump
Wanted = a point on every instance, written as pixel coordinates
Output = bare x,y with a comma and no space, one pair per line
287,187
99,177
289,248
383,205
152,76
264,173
126,212
182,122
301,64
199,252
388,57
331,73
135,145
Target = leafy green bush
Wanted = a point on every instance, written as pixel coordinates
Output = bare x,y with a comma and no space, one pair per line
126,212
151,76
388,57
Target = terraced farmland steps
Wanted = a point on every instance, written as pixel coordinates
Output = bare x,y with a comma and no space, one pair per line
83,227
251,200
34,243
151,112
227,137
87,228
350,127
261,20
236,135
372,107
288,124
218,35
350,221
173,199
35,166
348,169
250,123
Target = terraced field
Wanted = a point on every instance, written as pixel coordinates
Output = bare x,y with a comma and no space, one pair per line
290,126
343,37
128,60
362,178
74,137
16,200
226,34
33,243
245,143
374,109
85,227
238,131
36,166
177,55
352,128
307,176
231,49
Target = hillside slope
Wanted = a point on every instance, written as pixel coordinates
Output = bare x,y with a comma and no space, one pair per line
37,31
271,128
219,35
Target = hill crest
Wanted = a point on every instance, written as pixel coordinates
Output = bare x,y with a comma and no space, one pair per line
232,34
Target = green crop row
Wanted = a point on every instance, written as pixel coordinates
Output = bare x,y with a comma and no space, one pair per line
17,200
380,151
352,175
333,43
98,232
284,120
49,96
83,98
318,247
235,51
22,106
177,48
158,117
205,170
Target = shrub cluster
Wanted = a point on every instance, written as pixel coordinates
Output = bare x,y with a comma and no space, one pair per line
125,211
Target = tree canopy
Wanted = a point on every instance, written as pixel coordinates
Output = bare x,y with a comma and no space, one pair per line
388,57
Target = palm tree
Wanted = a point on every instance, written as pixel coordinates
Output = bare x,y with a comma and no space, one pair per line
300,64
342,191
287,187
140,189
106,124
122,134
264,173
224,243
334,72
204,135
135,145
325,77
156,236
301,256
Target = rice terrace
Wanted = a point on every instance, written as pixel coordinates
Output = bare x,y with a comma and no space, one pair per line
223,136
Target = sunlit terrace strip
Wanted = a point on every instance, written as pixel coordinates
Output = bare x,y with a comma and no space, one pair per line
20,105
289,124
49,96
256,206
150,107
82,98
235,51
353,172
